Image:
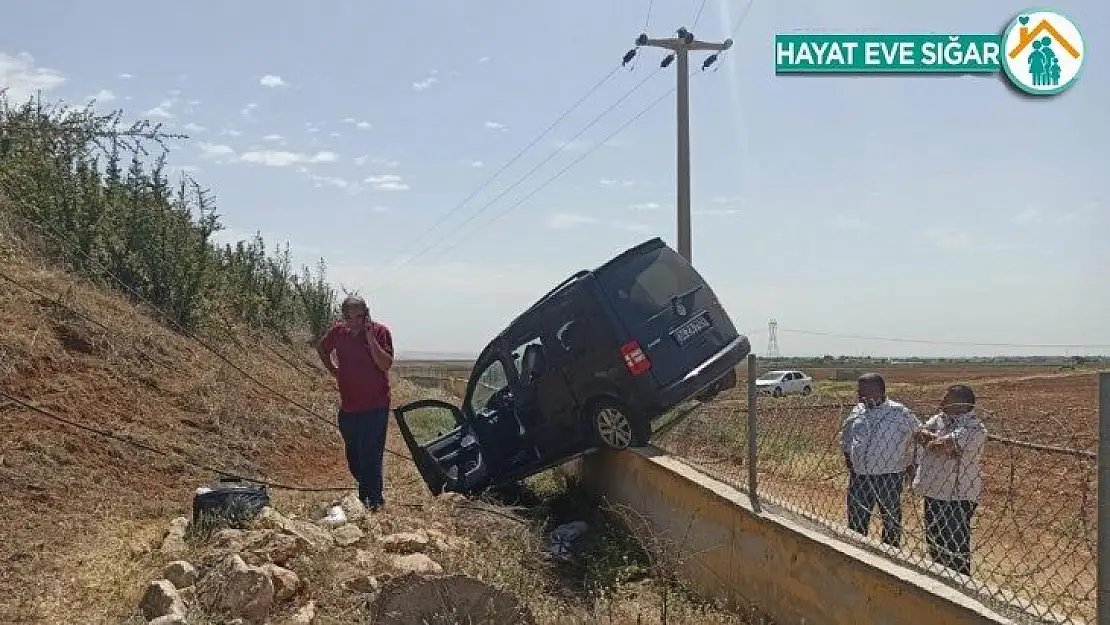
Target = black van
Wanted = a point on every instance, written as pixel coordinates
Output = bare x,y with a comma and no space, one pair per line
589,365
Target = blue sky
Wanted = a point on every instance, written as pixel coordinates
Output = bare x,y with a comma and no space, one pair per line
904,207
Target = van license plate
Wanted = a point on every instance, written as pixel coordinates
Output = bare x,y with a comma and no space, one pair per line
691,328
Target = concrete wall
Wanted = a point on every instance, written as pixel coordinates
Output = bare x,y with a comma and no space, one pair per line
791,573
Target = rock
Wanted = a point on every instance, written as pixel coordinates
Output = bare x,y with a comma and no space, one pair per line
161,599
270,519
362,583
169,619
406,542
456,599
353,508
347,535
180,573
443,542
304,616
415,563
277,547
315,538
239,590
451,498
173,543
286,583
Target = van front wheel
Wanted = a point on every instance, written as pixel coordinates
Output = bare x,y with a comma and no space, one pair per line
614,428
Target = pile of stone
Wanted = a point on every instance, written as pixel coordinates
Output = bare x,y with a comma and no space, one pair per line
245,576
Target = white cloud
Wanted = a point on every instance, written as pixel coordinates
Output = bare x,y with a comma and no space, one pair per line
606,182
270,80
717,211
1028,215
329,181
273,138
363,125
387,182
231,132
567,221
496,126
160,111
311,128
361,160
282,158
646,206
334,134
425,84
126,76
484,59
102,96
21,78
191,127
248,111
477,164
216,151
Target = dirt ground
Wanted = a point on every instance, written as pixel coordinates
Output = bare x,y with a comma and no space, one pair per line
82,514
1034,530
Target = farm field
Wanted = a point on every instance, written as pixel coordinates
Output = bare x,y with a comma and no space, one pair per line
1033,536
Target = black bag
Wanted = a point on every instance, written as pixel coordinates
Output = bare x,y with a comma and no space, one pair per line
231,499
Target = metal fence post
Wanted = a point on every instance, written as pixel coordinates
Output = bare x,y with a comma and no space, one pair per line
753,473
1102,559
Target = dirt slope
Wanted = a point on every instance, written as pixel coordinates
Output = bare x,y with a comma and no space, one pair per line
82,515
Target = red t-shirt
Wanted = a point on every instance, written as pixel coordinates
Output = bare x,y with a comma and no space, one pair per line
362,385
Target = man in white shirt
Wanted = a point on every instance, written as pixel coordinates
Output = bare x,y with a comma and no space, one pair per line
877,442
950,476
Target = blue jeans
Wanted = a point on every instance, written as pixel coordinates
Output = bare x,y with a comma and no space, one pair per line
364,443
864,492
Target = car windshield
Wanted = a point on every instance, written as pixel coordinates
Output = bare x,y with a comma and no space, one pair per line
770,376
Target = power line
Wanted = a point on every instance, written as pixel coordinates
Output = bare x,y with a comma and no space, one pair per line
542,134
520,180
938,342
560,173
697,17
161,452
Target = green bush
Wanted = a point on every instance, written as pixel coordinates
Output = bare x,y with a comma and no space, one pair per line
61,171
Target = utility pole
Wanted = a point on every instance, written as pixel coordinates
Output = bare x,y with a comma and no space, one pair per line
680,47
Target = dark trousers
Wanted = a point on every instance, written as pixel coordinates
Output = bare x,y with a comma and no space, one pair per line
885,490
364,442
948,533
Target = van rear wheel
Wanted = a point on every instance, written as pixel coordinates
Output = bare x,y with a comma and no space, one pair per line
614,428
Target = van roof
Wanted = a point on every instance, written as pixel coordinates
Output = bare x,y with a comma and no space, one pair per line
647,246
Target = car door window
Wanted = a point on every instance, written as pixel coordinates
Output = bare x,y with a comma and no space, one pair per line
490,381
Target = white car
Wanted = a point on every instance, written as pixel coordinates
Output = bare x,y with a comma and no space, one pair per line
780,383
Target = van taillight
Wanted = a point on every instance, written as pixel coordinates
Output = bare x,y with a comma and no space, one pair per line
635,358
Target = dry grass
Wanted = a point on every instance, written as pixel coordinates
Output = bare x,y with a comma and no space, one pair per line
82,514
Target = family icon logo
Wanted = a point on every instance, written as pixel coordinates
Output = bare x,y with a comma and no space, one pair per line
1041,52
1044,52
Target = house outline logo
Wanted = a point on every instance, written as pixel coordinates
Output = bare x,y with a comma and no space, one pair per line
1044,52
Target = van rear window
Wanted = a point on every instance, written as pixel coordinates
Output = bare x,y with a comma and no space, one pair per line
647,283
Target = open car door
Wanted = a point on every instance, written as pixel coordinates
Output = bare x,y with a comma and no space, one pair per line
445,450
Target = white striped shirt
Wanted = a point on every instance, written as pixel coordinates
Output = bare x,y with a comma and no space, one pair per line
960,478
879,440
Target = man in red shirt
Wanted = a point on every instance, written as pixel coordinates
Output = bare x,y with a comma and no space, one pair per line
364,353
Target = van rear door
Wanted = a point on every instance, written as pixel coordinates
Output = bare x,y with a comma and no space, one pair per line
667,308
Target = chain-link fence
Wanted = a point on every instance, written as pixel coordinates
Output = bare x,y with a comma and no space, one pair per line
997,498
